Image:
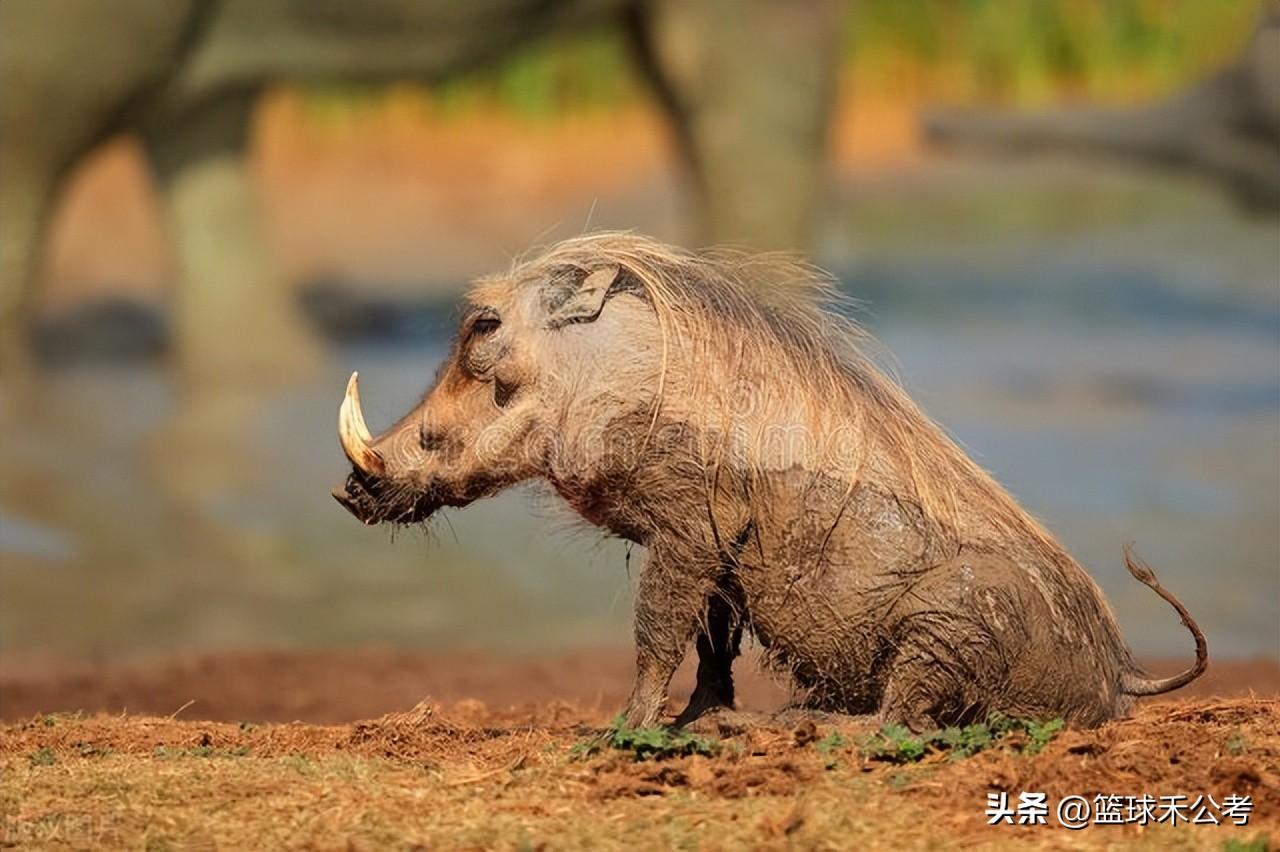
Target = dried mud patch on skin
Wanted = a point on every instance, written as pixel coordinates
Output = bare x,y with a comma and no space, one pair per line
465,775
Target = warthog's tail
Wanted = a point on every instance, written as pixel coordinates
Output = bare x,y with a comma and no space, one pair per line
1135,684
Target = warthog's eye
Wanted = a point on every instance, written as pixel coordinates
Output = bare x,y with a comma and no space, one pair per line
480,349
485,325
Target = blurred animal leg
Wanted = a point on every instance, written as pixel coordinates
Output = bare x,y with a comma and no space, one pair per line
234,319
70,77
749,87
26,199
236,330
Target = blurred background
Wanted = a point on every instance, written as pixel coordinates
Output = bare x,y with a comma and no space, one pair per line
1101,331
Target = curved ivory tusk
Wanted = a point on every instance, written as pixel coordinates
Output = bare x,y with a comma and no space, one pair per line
354,435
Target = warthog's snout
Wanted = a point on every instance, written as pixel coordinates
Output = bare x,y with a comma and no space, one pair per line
373,501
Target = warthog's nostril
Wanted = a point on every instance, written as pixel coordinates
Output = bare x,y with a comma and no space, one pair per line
361,496
351,504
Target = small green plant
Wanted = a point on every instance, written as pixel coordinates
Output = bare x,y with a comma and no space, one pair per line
583,749
894,743
1236,744
655,743
830,743
43,757
1039,734
897,744
828,746
1259,843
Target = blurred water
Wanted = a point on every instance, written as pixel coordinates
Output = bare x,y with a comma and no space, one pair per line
1122,393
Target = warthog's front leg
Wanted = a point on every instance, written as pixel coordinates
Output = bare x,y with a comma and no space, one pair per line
669,605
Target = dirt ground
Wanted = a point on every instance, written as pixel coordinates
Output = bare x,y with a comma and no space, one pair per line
205,757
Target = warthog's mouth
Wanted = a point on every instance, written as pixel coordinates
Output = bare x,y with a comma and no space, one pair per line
376,501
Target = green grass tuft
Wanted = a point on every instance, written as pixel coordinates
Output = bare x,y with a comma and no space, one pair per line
828,746
43,757
655,743
897,744
1259,843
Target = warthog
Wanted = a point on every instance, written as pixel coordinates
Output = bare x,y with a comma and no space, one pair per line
715,408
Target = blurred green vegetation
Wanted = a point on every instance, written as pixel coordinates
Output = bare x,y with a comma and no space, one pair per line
1030,51
1009,51
577,73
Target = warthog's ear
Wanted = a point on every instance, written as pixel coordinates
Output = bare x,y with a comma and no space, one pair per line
582,302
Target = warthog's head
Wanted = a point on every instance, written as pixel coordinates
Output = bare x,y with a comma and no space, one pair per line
541,354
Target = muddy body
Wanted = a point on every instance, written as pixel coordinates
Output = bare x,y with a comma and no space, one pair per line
708,407
872,607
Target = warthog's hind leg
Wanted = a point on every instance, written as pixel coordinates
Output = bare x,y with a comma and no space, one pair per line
936,681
